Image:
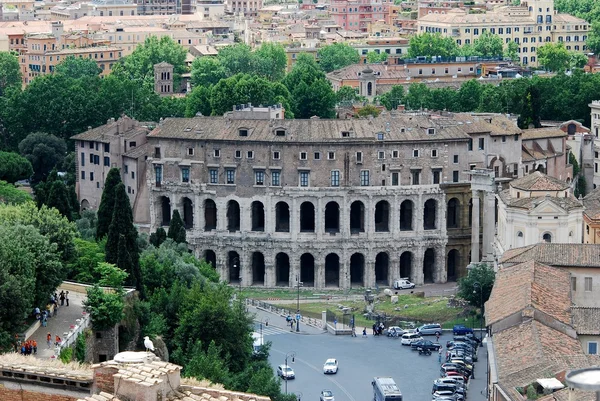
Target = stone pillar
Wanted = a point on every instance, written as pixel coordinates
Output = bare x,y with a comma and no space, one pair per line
270,274
294,270
319,271
294,219
416,271
245,215
475,228
369,273
441,273
320,219
393,267
222,265
245,264
344,270
198,213
489,205
369,217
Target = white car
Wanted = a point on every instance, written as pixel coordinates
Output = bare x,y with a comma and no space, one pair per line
403,284
330,366
285,372
409,338
327,395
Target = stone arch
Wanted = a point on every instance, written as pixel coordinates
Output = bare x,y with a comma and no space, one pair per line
382,216
452,265
257,211
188,213
210,215
307,217
307,270
332,270
282,217
282,270
165,210
357,217
541,168
258,268
547,237
429,265
357,269
233,216
406,264
520,239
85,204
382,268
497,162
430,215
332,217
210,257
453,213
406,215
235,269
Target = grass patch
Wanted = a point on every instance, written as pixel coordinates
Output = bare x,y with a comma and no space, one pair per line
292,293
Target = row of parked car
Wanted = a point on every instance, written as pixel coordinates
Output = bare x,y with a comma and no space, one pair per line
457,369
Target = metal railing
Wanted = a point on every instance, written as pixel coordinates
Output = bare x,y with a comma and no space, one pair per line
74,331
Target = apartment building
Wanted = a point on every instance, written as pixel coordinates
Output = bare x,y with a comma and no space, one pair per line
248,8
357,15
531,24
165,7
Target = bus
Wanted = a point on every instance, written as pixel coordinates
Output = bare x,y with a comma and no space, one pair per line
385,389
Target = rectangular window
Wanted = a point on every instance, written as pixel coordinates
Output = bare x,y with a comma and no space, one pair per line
217,152
395,154
434,153
455,159
317,155
303,155
82,159
213,176
126,167
335,178
436,176
415,176
97,159
276,155
381,154
359,157
304,178
91,176
395,179
250,154
573,284
503,138
91,158
133,175
107,161
238,154
230,176
158,174
107,147
592,348
275,178
455,176
91,145
364,178
380,136
157,153
588,284
470,144
481,143
83,144
185,174
259,177
190,151
330,155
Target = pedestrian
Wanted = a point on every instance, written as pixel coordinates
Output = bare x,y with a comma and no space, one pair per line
335,323
62,298
473,372
49,340
67,298
34,345
437,337
44,319
353,331
55,308
440,355
365,332
57,340
292,325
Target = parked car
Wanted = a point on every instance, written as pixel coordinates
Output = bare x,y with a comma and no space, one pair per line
403,284
457,374
447,380
443,386
330,366
469,339
461,330
409,338
430,330
447,395
425,344
327,395
394,331
285,372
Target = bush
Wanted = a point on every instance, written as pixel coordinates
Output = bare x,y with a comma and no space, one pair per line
66,355
80,347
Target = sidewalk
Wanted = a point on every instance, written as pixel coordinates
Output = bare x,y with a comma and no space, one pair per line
278,321
59,324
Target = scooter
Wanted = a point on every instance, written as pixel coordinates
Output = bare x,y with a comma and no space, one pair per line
424,351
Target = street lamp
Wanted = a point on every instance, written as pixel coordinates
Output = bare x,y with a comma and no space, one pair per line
477,285
266,322
292,356
298,303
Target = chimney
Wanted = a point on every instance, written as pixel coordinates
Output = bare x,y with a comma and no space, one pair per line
400,107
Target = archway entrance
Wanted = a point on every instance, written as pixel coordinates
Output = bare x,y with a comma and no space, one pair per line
282,270
382,268
332,270
453,263
357,269
428,265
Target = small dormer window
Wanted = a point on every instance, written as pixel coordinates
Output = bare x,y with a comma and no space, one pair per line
243,132
280,132
345,134
431,131
380,136
402,130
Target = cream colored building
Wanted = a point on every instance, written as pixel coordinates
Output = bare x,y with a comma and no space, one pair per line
530,25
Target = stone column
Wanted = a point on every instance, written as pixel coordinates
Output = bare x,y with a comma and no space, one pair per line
369,217
344,270
441,273
294,270
416,270
245,264
222,265
393,267
294,218
320,219
475,228
489,204
320,271
369,273
270,274
198,213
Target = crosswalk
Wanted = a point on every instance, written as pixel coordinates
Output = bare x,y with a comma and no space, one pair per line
271,330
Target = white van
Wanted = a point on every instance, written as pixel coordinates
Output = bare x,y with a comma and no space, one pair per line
409,338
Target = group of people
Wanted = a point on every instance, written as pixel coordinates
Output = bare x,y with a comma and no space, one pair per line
28,347
57,340
291,321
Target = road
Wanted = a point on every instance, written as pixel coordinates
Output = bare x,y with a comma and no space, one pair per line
360,359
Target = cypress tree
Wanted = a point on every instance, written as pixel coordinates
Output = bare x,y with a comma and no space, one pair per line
158,237
107,203
58,198
123,257
176,228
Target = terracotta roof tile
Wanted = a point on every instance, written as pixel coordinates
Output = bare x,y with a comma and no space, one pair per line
561,255
592,204
537,181
537,133
586,320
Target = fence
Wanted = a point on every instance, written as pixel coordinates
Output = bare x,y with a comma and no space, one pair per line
311,318
70,337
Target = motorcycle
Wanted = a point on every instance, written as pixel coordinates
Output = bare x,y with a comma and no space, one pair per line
424,351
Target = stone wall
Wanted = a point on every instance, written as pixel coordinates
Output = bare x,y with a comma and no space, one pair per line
17,394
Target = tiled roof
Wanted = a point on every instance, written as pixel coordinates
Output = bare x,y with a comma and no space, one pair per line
494,124
352,71
566,393
137,152
192,393
532,202
98,134
529,285
561,255
537,133
100,397
592,204
537,181
45,367
150,372
586,320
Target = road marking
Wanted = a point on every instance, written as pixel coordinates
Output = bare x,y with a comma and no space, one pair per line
271,331
313,367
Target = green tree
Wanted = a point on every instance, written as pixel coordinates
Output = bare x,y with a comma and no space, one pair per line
177,228
443,99
58,198
84,266
12,195
14,167
270,61
574,163
554,56
376,58
44,152
368,110
237,59
488,45
207,71
74,67
593,39
392,99
209,364
107,202
476,287
346,95
432,45
469,96
105,308
512,51
10,72
86,224
198,101
581,189
577,60
336,56
158,237
418,96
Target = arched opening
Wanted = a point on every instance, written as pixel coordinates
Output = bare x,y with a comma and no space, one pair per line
282,270
258,269
571,128
369,89
429,217
258,216
307,217
233,216
470,212
541,169
428,265
332,270
332,217
85,204
188,213
453,262
282,217
210,215
453,213
357,217
210,257
406,265
165,207
233,262
382,216
382,264
307,270
406,215
357,269
547,237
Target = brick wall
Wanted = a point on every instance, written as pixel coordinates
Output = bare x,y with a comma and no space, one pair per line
103,379
7,394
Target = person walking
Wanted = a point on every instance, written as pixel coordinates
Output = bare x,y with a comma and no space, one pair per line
437,337
67,297
440,355
49,340
62,298
34,345
365,332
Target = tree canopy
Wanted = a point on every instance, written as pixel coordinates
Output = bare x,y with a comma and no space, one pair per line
476,287
44,152
488,45
555,57
336,56
431,45
14,167
107,202
10,72
74,67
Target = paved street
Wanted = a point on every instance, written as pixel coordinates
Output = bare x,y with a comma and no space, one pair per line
360,359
